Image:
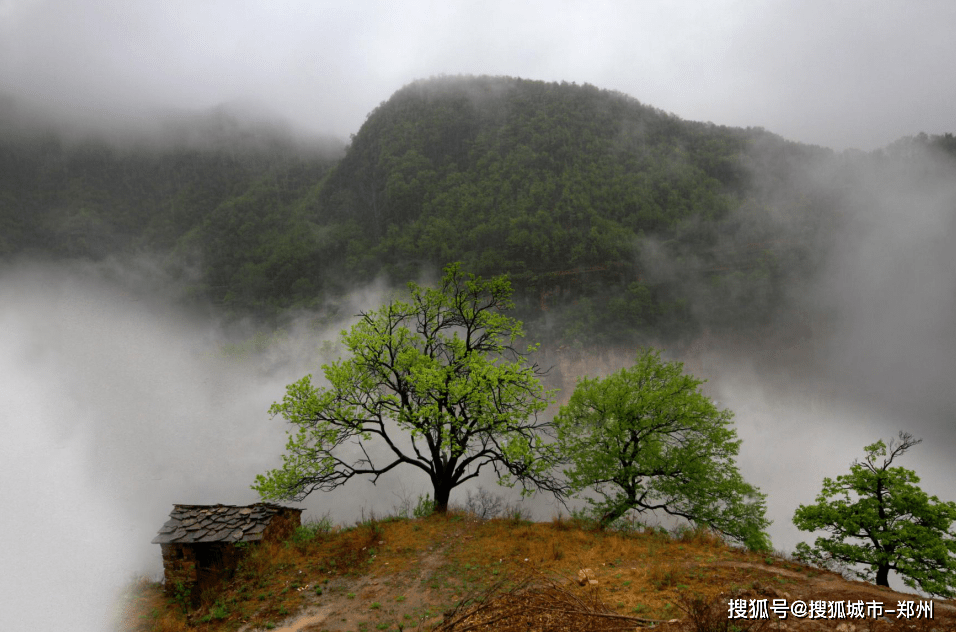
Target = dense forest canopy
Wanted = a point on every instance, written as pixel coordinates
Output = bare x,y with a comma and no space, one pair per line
618,223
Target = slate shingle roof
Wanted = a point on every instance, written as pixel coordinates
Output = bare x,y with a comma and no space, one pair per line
217,523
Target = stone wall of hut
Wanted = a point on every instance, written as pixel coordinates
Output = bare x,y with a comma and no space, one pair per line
198,568
282,525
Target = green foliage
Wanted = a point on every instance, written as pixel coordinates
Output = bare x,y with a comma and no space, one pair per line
555,184
552,183
425,506
878,517
646,439
311,530
622,222
217,612
259,250
606,315
94,198
440,371
182,596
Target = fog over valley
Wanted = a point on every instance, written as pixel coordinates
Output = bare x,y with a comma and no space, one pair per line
196,200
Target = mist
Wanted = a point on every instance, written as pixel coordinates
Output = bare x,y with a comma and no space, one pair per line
118,403
860,350
235,126
119,399
844,75
122,398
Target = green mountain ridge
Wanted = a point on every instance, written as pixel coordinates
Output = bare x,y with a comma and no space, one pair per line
617,222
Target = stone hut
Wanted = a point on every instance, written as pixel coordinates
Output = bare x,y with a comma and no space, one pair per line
199,541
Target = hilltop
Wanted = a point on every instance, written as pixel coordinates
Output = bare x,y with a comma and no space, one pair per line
430,573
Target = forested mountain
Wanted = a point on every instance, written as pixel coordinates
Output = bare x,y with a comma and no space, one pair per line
562,186
617,222
212,190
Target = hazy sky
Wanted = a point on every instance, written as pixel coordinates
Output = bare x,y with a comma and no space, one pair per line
839,74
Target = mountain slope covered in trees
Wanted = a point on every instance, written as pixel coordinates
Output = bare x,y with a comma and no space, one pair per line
616,221
563,186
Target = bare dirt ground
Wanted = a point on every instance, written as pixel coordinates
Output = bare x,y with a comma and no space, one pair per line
421,570
348,602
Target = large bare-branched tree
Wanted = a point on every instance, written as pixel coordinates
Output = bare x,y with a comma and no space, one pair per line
436,381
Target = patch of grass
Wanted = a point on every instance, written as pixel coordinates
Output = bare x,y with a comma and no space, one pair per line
218,611
557,551
425,506
312,530
516,515
663,576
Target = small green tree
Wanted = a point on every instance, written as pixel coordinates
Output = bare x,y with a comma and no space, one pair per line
437,382
891,523
646,439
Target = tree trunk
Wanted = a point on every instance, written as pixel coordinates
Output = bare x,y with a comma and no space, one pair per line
616,511
883,575
611,515
442,494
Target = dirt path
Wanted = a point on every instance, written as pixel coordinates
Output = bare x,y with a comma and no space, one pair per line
401,601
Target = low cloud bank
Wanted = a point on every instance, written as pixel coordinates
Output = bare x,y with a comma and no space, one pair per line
118,403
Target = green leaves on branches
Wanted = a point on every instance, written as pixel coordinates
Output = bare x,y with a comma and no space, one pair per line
435,383
879,518
646,439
